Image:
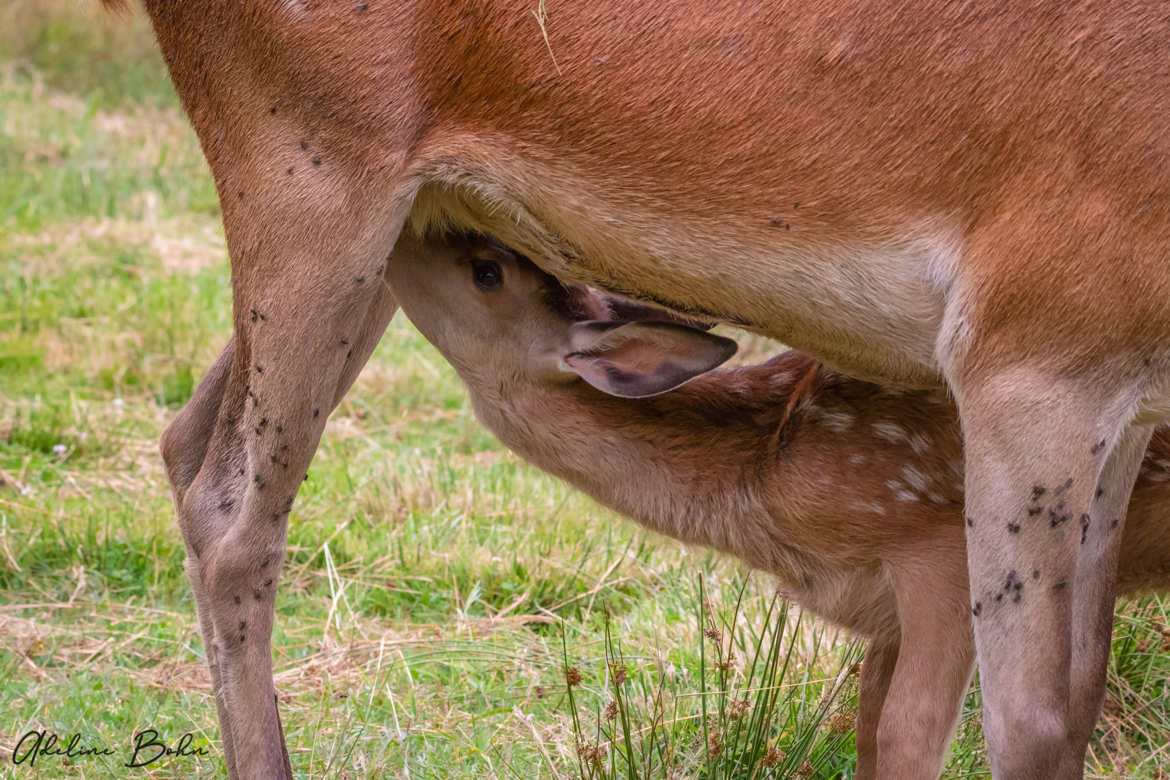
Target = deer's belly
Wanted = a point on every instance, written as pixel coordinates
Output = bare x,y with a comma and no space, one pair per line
872,308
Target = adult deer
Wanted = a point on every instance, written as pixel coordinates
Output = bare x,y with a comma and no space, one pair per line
850,494
973,194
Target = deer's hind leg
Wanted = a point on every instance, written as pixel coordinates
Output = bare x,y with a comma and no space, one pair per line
184,448
310,303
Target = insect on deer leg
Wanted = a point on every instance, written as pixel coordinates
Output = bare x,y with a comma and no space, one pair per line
1028,509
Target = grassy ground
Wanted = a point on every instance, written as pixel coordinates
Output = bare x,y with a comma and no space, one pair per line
432,577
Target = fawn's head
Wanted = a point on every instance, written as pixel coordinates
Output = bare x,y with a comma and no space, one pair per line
496,317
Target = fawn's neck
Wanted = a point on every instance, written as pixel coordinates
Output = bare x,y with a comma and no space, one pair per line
692,464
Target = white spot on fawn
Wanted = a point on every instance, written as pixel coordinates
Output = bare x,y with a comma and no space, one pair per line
900,491
914,478
919,443
837,422
890,431
782,379
857,459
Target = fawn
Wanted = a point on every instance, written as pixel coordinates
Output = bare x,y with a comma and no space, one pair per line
851,495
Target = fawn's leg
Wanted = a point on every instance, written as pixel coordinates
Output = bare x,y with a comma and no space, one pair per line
310,304
935,663
1036,445
877,670
1093,602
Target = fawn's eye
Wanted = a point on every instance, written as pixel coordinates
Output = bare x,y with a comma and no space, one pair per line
487,274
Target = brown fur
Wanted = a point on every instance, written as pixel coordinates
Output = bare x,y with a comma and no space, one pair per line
974,193
853,501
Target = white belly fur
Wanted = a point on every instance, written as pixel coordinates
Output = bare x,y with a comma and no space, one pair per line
871,308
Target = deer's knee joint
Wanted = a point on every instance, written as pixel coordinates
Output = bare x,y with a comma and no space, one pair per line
240,580
183,446
1031,741
184,443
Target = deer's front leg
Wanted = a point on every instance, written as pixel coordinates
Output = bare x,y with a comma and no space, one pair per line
310,304
1036,446
1093,604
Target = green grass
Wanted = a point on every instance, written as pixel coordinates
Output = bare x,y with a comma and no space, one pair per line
436,586
753,709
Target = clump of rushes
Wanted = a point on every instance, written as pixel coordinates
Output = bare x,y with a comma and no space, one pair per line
784,711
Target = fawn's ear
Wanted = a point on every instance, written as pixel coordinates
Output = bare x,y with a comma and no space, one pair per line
638,359
626,310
